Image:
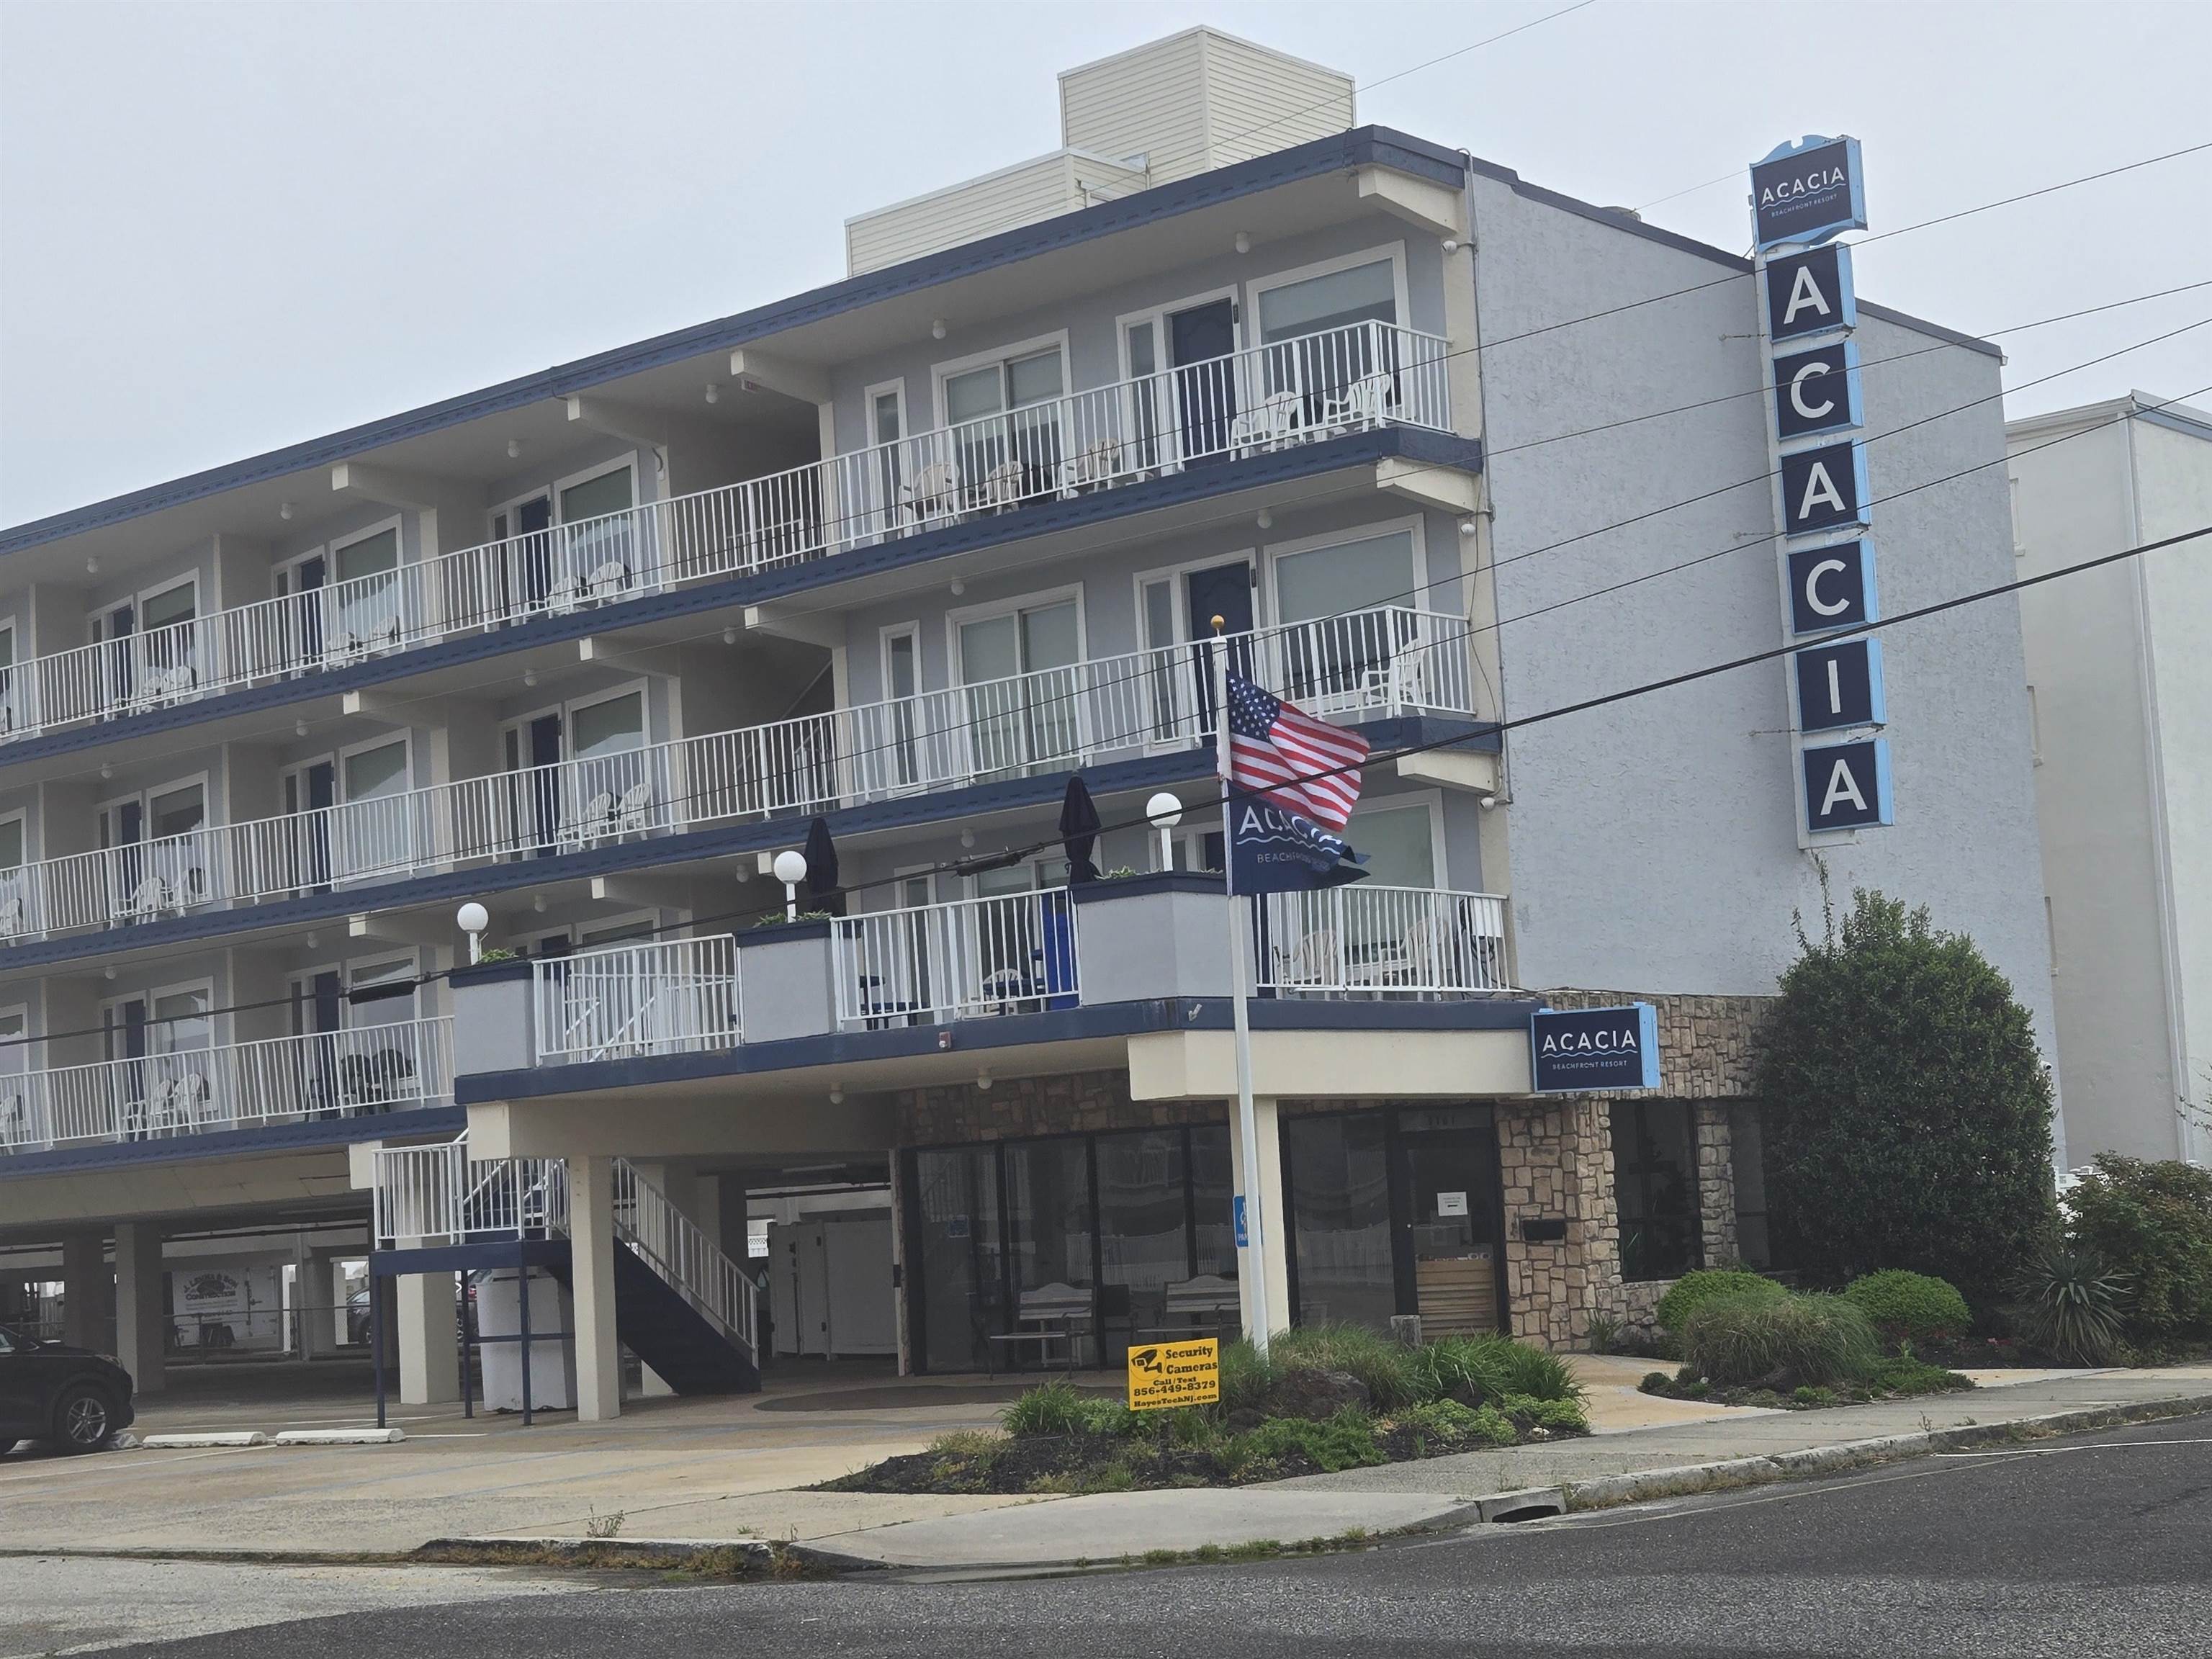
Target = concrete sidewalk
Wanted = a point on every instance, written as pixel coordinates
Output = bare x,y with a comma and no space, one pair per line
725,1471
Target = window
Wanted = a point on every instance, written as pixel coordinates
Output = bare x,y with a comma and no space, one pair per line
170,608
1345,617
1004,453
595,498
1015,721
370,774
612,727
11,843
1014,383
1399,842
382,993
902,683
1654,1162
181,1022
1747,1163
1338,1169
372,556
1335,299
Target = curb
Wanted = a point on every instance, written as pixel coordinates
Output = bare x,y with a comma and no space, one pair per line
756,1554
202,1441
339,1437
1609,1491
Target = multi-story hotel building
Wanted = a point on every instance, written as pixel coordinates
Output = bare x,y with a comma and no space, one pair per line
1444,450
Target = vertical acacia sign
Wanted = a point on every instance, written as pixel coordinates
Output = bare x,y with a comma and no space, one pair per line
1802,196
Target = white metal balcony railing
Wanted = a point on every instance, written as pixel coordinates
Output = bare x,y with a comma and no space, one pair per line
1385,661
1291,391
1012,953
1363,939
669,996
244,1085
426,1197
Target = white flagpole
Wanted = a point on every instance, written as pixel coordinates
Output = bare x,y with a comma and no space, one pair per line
1254,1273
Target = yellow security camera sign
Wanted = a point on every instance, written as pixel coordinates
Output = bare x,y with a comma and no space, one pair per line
1164,1373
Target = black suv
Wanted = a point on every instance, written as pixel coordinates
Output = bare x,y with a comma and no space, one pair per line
72,1399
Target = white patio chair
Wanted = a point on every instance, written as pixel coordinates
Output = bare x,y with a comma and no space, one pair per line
1002,488
1090,469
608,581
1312,960
149,898
14,1121
631,814
565,596
11,915
934,495
1361,403
591,823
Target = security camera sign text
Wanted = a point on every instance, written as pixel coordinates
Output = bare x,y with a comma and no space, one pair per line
1164,1373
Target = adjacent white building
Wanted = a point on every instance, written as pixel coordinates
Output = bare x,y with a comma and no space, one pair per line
2120,691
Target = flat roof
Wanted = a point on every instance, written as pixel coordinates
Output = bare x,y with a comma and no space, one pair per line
1357,146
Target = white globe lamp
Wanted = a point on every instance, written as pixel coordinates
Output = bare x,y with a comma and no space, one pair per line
791,870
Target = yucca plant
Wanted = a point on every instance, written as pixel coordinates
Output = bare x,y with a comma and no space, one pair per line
2071,1305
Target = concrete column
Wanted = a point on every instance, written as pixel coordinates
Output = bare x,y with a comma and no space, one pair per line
430,1349
1274,1234
84,1289
313,1298
591,1278
142,1312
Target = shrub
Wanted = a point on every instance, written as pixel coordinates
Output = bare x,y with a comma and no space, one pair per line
2151,1223
1377,1361
1907,1111
1692,1290
1346,1441
1656,1383
1902,1374
1246,1378
1449,1421
1792,1339
2072,1305
1559,1416
1909,1307
1059,1407
1476,1369
1603,1332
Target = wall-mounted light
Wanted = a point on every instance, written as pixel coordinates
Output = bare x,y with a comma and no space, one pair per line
514,449
1486,802
299,728
729,636
1266,521
529,676
1467,526
983,1081
937,328
92,567
1244,241
1451,244
107,770
967,837
284,509
837,1094
713,394
958,587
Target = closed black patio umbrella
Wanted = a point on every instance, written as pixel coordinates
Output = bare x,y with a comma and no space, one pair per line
822,892
1079,830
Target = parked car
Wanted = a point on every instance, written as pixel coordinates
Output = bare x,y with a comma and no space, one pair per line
71,1398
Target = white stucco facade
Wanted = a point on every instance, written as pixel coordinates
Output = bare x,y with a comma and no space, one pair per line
2122,692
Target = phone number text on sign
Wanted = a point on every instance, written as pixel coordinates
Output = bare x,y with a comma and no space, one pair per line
1167,1373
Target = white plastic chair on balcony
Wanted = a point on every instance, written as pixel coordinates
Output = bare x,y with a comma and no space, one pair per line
608,581
934,495
11,915
15,1122
1361,403
595,821
1312,960
149,898
1090,469
632,815
1002,488
566,596
1272,424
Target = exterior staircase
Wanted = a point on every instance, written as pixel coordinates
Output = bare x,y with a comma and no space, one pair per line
681,1305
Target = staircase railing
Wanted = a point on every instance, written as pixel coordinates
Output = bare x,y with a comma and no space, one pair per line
683,1258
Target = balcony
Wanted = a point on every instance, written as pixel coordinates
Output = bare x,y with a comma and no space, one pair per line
243,1086
1386,662
1022,953
1270,397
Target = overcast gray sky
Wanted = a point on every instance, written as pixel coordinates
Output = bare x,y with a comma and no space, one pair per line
227,228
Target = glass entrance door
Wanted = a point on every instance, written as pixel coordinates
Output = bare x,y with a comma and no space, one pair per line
1448,1212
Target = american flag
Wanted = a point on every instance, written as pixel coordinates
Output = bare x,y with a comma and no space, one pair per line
1289,759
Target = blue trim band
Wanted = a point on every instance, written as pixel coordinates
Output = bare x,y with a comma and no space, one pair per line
983,1035
433,1120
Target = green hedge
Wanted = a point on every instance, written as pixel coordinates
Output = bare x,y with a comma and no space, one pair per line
1783,1340
1692,1290
2151,1224
1910,1307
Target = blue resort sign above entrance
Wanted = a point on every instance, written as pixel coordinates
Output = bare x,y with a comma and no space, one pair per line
1807,192
1586,1050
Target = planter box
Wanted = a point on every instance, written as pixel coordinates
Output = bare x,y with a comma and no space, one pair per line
494,1017
784,982
1146,937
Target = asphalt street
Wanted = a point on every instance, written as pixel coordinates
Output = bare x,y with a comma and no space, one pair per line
2084,1547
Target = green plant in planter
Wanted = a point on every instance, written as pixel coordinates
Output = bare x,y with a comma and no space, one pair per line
499,953
1812,1340
777,919
1910,1307
2072,1305
1692,1290
1120,872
